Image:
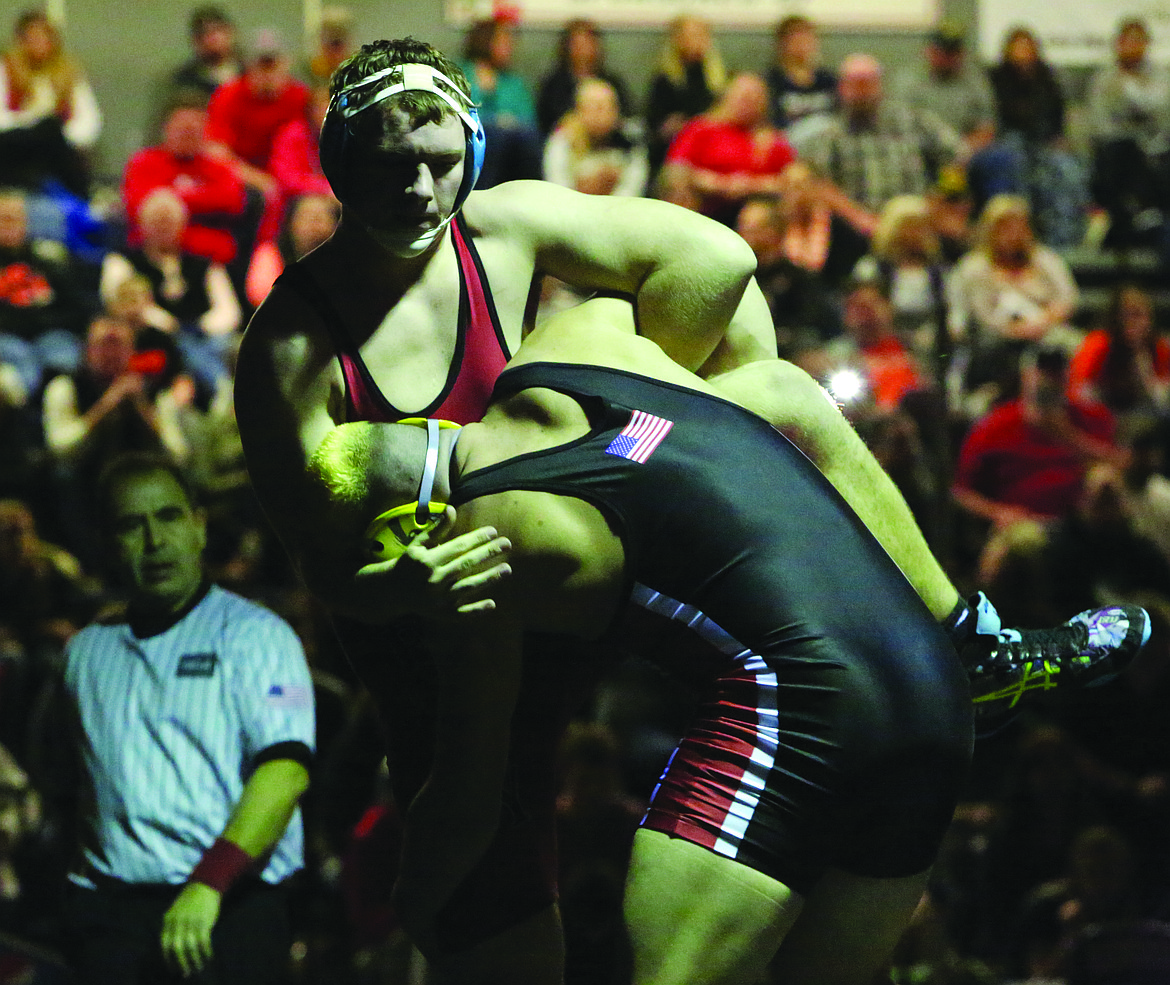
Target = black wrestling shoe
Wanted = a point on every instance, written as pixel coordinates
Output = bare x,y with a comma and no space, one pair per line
1091,648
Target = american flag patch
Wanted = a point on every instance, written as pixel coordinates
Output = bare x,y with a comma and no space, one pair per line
638,439
289,696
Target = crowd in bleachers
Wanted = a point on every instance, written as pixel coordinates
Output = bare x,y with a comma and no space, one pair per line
979,284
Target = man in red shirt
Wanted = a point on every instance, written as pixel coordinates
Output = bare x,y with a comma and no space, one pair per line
214,196
245,114
1026,459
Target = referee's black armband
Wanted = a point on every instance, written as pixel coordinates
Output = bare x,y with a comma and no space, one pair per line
285,750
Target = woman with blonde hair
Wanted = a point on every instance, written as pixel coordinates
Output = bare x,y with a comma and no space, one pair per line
732,152
591,150
48,113
905,252
689,75
1008,293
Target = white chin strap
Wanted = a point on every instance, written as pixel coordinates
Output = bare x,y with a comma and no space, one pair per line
402,247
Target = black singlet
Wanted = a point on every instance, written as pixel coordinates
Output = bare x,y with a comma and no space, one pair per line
838,725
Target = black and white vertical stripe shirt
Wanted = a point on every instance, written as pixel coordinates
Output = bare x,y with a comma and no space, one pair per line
175,721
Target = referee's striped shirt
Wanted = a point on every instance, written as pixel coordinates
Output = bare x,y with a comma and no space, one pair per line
173,724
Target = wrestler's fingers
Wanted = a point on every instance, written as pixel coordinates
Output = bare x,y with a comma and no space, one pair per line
480,605
483,558
477,581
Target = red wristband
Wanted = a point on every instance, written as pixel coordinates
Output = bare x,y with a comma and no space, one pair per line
222,864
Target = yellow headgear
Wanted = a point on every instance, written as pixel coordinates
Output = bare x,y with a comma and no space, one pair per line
391,533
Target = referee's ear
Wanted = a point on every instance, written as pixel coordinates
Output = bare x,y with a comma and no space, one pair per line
200,515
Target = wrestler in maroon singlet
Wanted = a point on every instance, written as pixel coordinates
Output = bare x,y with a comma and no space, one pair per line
516,877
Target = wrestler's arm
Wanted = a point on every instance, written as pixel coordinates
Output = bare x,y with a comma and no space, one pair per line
288,402
568,577
691,277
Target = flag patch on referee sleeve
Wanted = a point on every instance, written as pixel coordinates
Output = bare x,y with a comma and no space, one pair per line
638,439
289,696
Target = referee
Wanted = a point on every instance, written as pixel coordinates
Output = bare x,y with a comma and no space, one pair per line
195,713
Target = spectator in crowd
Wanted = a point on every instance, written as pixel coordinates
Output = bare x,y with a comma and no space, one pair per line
185,163
1125,363
881,368
803,91
731,152
1098,885
245,114
1029,99
215,60
334,45
308,222
1007,294
688,78
296,159
804,252
801,300
49,117
580,56
44,595
110,405
959,93
21,444
1145,485
1095,552
1027,458
592,150
194,711
950,207
42,312
1050,792
1030,113
905,255
506,109
194,300
874,148
1129,116
28,901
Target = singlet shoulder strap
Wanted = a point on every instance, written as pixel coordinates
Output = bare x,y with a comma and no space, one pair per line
481,306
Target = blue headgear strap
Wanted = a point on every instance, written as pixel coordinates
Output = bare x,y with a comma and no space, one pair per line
382,85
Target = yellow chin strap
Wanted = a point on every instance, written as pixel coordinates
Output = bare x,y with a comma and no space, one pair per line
391,533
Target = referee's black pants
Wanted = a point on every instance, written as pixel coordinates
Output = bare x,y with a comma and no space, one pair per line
112,935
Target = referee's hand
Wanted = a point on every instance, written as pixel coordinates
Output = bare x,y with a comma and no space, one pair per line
186,931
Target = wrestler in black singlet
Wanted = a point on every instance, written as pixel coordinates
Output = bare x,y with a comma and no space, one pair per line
837,725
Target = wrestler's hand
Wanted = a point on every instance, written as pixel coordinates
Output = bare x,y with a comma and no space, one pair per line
186,930
453,577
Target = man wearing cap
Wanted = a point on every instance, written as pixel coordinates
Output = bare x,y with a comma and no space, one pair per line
946,84
245,114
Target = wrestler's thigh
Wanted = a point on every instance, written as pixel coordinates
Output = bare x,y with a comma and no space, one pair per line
699,918
847,929
531,952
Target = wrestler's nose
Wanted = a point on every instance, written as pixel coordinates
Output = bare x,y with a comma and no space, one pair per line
423,185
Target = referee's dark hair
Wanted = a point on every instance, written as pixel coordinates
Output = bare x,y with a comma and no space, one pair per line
132,465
